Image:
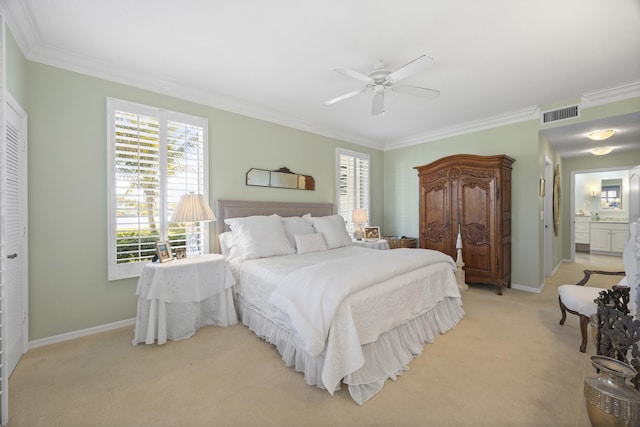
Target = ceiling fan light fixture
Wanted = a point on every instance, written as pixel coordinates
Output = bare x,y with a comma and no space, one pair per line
601,151
600,135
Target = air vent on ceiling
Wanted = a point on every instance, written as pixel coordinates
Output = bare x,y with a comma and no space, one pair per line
565,113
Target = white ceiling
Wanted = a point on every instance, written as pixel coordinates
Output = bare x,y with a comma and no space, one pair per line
496,61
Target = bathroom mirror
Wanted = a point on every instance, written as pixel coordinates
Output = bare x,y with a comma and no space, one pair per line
611,194
281,178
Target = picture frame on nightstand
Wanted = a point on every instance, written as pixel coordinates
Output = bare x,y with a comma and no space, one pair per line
163,250
371,233
181,253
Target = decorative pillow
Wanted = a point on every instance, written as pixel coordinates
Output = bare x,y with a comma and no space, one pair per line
259,236
310,243
297,225
334,231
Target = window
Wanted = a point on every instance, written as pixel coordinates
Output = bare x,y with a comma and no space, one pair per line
352,184
155,156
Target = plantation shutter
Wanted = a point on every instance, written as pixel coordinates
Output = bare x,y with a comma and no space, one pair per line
353,184
156,157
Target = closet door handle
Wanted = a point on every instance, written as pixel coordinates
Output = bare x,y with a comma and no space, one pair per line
12,256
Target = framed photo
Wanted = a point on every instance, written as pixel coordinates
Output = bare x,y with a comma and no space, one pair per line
371,233
163,250
181,253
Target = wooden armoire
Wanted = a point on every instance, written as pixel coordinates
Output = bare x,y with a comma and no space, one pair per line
472,194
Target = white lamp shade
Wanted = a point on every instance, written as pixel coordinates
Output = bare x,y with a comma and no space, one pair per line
359,215
191,208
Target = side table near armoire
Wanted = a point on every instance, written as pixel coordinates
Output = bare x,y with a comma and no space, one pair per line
469,194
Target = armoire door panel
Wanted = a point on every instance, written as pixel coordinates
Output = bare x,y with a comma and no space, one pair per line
435,223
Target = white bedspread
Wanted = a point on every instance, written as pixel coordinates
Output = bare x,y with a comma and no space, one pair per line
422,303
309,297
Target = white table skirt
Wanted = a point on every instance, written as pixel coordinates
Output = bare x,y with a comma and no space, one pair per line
178,297
372,244
161,321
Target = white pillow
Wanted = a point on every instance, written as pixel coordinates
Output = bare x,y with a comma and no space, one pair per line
310,243
226,242
260,236
334,231
297,225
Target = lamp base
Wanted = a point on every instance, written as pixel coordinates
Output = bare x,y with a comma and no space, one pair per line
358,234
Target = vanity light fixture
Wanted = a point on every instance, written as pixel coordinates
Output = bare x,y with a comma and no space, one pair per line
601,151
600,135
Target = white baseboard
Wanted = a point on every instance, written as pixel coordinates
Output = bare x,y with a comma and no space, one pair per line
527,288
81,333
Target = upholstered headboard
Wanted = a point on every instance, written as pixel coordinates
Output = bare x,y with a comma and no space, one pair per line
241,208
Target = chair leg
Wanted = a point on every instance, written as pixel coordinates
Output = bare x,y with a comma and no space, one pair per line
584,322
563,310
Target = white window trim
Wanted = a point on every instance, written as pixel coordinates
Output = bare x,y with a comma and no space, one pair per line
362,156
126,270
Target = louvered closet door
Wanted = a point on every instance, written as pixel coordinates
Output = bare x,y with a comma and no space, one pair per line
15,333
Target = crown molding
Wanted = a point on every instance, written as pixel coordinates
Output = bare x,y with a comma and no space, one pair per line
605,96
522,115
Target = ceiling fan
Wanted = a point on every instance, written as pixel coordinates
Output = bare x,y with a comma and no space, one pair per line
381,79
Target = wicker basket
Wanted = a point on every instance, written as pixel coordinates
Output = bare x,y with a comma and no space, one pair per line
401,242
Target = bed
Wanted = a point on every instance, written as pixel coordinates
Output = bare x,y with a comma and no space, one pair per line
337,312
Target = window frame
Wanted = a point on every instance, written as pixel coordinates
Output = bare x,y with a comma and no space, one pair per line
362,202
117,271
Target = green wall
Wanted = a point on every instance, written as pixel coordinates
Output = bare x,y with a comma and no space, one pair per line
519,141
523,142
68,286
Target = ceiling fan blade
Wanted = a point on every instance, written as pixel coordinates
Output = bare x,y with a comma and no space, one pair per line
422,92
355,75
343,97
377,106
411,68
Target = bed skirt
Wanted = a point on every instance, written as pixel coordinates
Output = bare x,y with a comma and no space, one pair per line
386,358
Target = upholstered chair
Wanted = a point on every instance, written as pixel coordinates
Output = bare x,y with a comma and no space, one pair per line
580,300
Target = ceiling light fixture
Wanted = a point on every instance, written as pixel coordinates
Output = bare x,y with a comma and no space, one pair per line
600,135
601,151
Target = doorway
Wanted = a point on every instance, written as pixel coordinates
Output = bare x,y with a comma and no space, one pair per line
591,207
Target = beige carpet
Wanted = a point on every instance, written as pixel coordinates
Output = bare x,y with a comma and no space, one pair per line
508,363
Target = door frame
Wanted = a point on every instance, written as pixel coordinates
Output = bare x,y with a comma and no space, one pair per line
547,218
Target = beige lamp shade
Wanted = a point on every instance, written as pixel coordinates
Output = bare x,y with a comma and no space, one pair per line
359,215
192,208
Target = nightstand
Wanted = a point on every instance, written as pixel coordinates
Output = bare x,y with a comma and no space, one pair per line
176,298
372,244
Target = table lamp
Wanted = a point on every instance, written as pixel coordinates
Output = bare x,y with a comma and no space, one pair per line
358,216
192,208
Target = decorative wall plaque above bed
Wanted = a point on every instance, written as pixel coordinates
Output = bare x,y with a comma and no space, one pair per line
281,178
